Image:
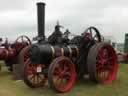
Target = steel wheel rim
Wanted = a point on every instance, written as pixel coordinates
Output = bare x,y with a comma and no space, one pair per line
106,65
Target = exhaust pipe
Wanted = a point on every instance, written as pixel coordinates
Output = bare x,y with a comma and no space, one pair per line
41,21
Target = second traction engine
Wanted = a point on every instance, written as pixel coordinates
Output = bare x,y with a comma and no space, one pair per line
10,53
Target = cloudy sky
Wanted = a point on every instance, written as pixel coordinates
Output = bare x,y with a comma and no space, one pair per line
18,17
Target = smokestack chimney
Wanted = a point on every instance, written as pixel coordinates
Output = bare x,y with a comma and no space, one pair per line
41,20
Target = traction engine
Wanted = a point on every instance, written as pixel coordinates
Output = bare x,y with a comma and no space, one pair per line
9,52
59,59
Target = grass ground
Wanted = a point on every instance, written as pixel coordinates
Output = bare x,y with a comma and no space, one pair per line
10,87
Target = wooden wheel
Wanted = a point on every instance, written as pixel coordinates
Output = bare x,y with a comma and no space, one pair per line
33,76
61,74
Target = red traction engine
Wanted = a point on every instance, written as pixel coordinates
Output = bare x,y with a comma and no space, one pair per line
58,60
10,52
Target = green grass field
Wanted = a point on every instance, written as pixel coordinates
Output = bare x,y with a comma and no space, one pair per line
10,87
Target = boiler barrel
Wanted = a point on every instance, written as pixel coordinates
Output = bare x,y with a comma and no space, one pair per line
43,54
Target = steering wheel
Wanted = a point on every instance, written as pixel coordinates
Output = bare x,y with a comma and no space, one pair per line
23,39
92,33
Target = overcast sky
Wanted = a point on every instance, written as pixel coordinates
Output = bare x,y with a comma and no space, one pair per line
19,17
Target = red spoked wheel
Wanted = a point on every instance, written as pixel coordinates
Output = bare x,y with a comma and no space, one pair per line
33,75
92,33
102,63
22,58
21,42
61,74
23,39
23,55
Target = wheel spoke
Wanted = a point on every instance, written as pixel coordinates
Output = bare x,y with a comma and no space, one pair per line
29,71
33,68
67,76
38,79
95,36
106,74
65,68
102,73
57,81
56,72
60,70
34,80
110,58
109,67
22,39
30,78
100,55
90,32
99,66
61,82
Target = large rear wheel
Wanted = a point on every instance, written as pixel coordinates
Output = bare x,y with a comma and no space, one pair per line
23,55
22,58
102,63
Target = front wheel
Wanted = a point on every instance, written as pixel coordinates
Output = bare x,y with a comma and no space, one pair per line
33,76
61,74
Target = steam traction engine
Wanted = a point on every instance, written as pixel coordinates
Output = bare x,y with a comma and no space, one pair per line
60,59
11,53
